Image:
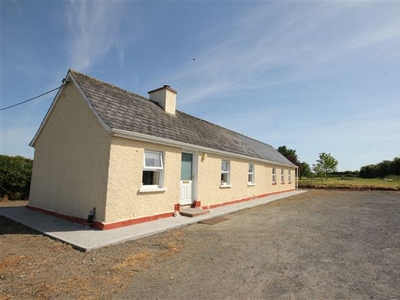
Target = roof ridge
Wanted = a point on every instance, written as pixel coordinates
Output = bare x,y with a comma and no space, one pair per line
109,84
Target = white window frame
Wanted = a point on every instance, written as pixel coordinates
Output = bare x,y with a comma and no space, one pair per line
250,177
158,168
273,175
151,167
289,177
225,172
282,176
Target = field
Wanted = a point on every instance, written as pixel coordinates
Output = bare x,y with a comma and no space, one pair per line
392,183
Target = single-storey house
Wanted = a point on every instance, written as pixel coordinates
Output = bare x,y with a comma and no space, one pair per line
137,159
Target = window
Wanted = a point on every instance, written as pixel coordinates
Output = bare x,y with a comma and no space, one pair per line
282,176
273,176
289,176
251,174
153,169
225,180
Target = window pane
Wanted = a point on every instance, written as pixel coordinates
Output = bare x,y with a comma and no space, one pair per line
250,168
186,167
224,178
225,166
150,178
153,160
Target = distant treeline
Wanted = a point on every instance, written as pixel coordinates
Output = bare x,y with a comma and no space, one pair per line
345,174
15,177
382,169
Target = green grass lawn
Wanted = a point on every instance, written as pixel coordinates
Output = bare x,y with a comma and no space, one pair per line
392,183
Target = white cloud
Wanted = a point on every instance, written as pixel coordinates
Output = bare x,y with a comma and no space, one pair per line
16,4
277,44
243,56
363,40
94,29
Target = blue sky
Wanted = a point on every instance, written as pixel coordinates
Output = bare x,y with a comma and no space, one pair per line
316,76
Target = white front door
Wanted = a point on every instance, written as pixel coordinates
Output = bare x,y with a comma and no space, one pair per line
186,179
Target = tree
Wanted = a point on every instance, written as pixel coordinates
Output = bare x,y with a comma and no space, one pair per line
396,166
325,164
382,169
367,171
290,154
304,170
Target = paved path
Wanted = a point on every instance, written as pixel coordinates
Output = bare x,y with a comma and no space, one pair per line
86,239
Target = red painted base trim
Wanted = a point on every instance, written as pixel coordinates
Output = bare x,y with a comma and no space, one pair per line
58,215
101,225
196,204
115,225
244,199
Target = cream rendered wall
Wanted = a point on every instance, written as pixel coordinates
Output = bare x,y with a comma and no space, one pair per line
78,165
210,191
279,186
70,165
124,201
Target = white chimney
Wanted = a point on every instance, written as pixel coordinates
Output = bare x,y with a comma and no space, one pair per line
165,97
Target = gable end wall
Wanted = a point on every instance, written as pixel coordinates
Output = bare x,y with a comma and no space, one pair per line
70,166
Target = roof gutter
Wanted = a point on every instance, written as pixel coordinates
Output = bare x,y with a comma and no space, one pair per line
167,142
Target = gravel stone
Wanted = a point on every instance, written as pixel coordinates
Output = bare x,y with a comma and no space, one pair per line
316,245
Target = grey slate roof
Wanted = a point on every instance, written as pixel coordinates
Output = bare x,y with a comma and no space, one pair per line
124,110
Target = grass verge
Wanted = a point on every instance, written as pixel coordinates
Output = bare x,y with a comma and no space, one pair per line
387,184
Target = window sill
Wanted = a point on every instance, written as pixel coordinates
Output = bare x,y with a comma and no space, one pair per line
152,190
274,183
251,184
225,186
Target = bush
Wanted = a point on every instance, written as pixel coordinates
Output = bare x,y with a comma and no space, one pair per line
15,177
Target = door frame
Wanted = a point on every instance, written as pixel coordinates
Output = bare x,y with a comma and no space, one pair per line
195,159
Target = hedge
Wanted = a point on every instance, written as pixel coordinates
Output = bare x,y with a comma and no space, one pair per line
15,177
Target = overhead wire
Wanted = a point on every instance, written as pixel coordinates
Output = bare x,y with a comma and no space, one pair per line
31,99
304,124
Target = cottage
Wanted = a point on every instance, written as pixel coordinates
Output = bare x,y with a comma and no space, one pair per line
137,159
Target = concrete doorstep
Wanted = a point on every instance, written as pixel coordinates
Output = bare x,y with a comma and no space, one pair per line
86,239
193,212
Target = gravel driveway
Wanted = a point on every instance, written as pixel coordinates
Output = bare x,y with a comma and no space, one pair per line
316,245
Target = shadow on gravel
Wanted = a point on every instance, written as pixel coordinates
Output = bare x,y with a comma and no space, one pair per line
8,226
